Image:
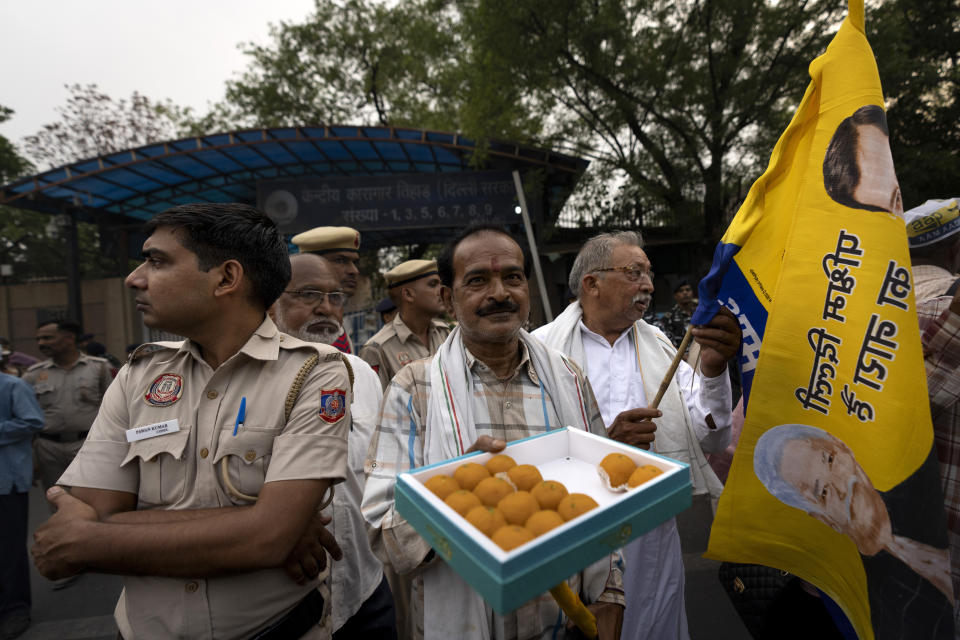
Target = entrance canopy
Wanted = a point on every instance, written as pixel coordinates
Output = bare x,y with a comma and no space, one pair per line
128,187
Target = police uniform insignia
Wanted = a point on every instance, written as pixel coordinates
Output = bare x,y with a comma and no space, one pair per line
404,358
42,376
333,404
164,391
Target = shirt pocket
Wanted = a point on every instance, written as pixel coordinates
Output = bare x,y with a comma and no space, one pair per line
89,394
45,394
163,471
247,457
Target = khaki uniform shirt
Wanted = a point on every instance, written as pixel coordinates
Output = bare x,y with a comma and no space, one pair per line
394,346
181,470
70,397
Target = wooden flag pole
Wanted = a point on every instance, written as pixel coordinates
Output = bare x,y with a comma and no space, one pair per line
673,367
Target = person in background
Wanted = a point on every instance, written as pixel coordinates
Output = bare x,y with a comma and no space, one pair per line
416,331
387,310
70,386
934,247
625,359
340,246
5,353
311,309
676,321
98,350
14,362
20,418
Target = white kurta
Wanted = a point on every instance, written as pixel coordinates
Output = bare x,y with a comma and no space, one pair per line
653,577
356,576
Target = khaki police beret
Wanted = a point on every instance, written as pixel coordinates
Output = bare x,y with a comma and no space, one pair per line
409,271
327,239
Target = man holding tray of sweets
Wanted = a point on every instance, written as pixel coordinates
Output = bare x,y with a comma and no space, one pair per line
625,360
202,474
503,385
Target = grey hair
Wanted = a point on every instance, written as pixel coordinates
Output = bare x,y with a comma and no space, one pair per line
768,455
595,254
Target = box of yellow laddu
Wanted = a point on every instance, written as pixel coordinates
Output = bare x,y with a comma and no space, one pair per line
591,525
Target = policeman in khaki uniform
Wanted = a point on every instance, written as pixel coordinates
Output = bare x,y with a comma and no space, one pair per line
202,475
69,387
340,247
416,331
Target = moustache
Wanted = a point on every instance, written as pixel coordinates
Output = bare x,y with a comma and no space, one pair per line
641,297
498,307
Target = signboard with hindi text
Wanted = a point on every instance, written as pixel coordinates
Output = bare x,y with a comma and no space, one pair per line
403,201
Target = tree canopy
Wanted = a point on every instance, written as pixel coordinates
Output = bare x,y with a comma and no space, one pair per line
12,164
917,45
678,104
93,123
682,99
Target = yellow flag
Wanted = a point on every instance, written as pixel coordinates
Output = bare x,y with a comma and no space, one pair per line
834,478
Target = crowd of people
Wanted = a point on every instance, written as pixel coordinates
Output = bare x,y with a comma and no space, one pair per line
243,481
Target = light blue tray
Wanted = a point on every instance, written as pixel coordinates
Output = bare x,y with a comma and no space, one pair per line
506,580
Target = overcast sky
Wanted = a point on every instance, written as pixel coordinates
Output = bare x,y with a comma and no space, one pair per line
178,49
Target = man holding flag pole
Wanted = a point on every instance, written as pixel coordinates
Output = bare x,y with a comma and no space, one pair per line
834,479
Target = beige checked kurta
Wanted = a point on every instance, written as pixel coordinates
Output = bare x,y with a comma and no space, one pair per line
506,409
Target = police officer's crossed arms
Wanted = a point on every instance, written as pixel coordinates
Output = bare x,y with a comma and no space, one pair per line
197,481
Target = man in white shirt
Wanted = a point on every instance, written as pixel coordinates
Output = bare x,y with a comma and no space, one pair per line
625,360
311,308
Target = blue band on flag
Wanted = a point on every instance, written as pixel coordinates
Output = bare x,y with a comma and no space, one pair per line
727,285
709,288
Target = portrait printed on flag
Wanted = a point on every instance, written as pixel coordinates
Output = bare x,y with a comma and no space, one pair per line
858,168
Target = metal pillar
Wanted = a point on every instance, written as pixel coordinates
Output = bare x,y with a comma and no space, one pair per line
72,257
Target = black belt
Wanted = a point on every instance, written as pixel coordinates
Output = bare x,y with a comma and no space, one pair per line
298,622
69,436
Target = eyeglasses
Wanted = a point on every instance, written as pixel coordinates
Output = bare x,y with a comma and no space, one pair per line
311,296
633,272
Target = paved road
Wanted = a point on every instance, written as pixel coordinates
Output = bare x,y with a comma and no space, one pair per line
84,611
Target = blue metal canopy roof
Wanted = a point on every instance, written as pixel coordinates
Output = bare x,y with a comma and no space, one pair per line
133,185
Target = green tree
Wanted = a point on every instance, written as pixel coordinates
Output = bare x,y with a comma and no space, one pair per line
917,45
12,164
682,101
92,123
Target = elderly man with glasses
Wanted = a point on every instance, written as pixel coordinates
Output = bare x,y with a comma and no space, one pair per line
311,308
625,360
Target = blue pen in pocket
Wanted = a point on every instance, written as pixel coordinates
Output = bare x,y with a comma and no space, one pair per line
241,415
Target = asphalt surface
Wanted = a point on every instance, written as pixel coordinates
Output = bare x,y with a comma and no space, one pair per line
84,610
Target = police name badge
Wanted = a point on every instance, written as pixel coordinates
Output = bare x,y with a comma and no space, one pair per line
164,391
153,430
333,405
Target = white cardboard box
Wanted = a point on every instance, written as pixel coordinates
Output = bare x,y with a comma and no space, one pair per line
507,579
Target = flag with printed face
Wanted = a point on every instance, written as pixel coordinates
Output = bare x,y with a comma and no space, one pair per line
835,478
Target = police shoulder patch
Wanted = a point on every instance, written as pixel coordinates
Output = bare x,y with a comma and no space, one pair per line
165,390
333,405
